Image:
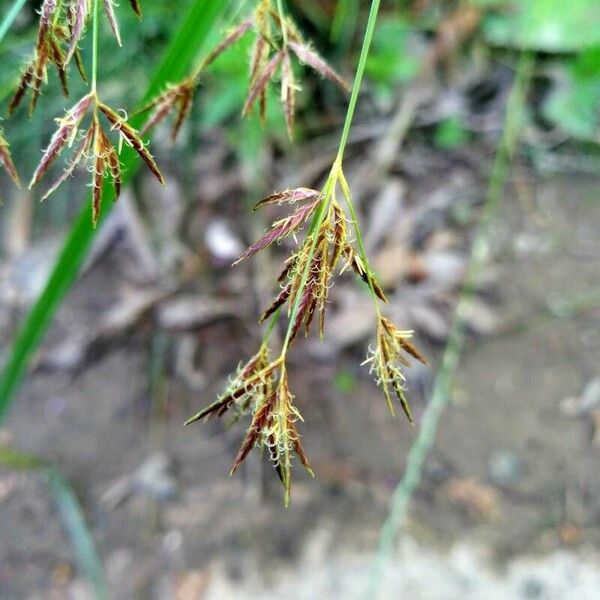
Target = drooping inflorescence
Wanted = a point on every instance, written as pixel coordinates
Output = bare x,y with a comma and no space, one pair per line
276,40
304,284
94,146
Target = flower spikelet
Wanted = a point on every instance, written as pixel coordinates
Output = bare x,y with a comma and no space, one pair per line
387,358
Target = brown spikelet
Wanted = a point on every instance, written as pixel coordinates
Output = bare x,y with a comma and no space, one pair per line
130,135
339,235
355,262
309,57
75,160
64,135
6,160
288,197
79,11
259,85
259,421
137,7
100,151
184,105
280,229
230,39
279,301
288,94
109,9
114,166
178,97
58,59
22,87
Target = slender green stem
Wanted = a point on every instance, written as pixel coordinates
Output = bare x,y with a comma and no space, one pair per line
441,389
95,47
10,17
360,71
336,169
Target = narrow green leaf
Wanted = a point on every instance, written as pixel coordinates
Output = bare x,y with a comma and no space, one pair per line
183,49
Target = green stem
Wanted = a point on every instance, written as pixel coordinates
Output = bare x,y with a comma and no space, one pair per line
336,169
360,71
95,47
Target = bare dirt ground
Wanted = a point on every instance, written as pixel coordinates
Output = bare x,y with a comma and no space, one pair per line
509,506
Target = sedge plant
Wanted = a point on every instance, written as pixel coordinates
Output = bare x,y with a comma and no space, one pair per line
333,240
260,388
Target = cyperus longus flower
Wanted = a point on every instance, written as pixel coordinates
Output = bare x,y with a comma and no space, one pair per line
94,146
276,40
260,388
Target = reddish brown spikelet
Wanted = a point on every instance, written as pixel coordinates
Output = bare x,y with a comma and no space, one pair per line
79,10
259,422
63,136
183,105
6,160
137,7
101,146
259,85
178,97
229,40
309,57
109,9
288,94
77,157
114,166
279,301
357,266
280,229
288,197
22,87
339,234
133,139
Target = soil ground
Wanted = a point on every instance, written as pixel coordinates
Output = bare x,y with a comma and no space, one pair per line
509,506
